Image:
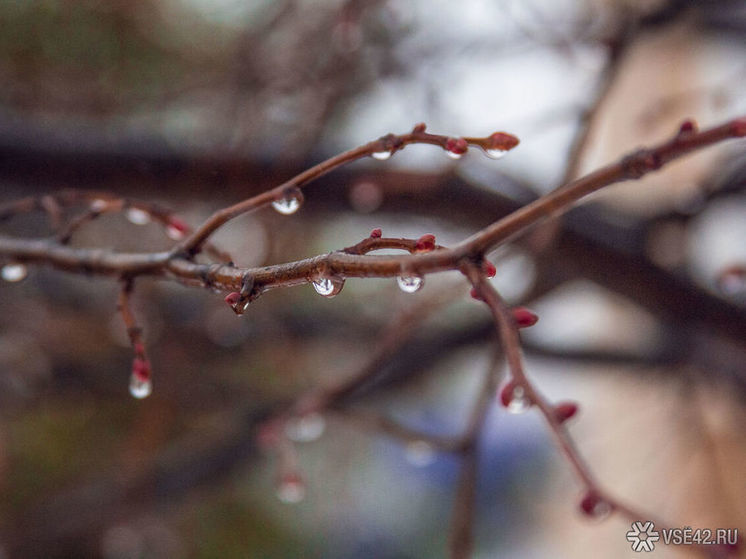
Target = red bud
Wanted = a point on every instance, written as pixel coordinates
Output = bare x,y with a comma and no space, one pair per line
475,294
489,268
565,410
141,369
233,298
425,243
524,317
457,145
376,233
502,141
419,128
687,127
593,505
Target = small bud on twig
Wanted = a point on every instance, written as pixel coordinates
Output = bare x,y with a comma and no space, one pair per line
565,410
524,317
376,233
425,243
489,268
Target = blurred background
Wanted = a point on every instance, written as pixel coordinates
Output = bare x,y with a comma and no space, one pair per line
196,104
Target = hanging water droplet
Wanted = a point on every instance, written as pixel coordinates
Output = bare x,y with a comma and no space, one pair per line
495,153
593,505
420,453
517,400
140,387
137,216
328,287
410,284
291,489
732,281
174,233
381,155
290,202
306,428
98,204
14,272
453,154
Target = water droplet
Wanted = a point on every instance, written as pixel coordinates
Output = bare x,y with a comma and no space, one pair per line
287,205
140,387
137,216
595,506
453,154
495,153
328,287
381,155
174,233
14,272
410,284
291,489
98,204
514,398
732,281
420,453
306,428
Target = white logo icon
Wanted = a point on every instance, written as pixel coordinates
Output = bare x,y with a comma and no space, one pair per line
643,536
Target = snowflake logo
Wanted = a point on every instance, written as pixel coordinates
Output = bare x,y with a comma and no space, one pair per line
643,536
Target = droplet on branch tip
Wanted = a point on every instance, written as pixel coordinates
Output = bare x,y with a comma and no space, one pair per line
306,428
290,202
137,216
14,272
420,453
176,229
410,284
328,287
594,505
381,155
140,380
514,398
489,269
236,302
291,488
732,280
456,147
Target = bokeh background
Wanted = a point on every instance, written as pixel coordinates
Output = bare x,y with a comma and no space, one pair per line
195,104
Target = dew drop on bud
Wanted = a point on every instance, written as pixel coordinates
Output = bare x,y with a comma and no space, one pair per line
306,428
287,205
14,272
489,269
176,229
593,505
381,155
514,398
140,387
137,216
732,281
420,453
98,205
495,153
328,287
410,284
291,489
456,147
